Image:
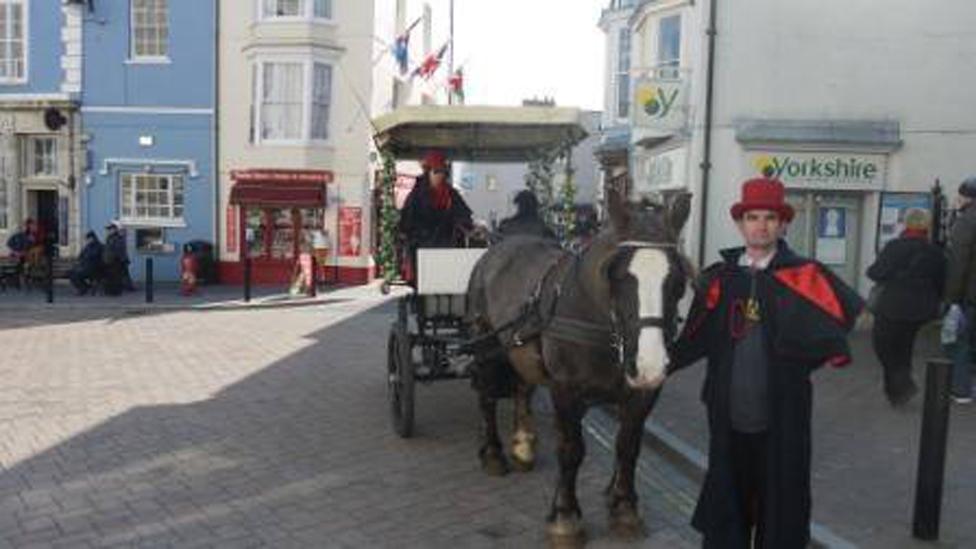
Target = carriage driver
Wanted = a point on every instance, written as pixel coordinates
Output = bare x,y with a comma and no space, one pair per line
434,213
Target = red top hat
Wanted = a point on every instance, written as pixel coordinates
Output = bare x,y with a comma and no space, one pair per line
763,193
434,160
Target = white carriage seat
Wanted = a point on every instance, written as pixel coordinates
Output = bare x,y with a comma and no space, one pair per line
442,278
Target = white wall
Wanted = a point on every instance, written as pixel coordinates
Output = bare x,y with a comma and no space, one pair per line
910,62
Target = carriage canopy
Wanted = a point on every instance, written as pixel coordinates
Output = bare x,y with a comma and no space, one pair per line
478,133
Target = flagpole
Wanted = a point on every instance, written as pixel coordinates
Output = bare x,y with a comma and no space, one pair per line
450,60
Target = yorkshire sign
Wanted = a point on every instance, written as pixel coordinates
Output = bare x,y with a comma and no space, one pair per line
660,104
828,171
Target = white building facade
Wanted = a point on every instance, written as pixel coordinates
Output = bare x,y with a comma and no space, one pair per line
295,87
857,110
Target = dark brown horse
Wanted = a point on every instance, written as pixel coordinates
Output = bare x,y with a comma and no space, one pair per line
593,328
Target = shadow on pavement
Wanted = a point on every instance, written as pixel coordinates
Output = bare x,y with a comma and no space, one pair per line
299,454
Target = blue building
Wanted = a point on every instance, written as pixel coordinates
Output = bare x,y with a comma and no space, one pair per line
148,117
40,153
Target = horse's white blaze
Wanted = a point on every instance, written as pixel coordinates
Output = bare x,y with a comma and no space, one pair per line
650,267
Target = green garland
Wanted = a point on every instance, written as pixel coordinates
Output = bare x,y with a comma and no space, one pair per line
389,220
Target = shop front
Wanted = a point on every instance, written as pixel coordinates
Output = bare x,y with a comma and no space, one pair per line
273,217
832,193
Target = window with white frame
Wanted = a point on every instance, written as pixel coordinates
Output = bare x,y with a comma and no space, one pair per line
321,100
669,43
13,40
150,29
296,9
152,197
40,156
623,73
294,101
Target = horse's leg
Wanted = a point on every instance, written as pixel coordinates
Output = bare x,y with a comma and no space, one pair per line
491,455
621,495
523,434
565,518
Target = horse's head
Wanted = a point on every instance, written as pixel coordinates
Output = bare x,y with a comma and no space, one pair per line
648,277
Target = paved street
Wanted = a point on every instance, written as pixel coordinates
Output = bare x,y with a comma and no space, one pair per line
864,452
265,427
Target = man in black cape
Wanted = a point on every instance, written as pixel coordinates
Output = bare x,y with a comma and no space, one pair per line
765,318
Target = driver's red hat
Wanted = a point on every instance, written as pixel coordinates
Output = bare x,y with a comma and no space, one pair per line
763,193
434,160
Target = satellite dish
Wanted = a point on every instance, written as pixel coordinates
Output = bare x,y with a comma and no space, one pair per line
53,119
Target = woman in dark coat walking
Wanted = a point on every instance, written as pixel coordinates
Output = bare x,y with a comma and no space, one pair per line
911,272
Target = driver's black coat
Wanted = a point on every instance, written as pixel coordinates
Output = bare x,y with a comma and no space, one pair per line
428,227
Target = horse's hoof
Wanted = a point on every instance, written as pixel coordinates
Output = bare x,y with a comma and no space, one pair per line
626,524
493,463
566,533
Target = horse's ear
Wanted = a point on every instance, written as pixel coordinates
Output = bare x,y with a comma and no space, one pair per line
678,208
617,208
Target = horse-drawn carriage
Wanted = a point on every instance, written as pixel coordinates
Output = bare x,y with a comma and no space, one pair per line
591,325
427,341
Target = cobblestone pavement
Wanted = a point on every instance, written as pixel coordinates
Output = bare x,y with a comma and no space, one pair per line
865,453
250,428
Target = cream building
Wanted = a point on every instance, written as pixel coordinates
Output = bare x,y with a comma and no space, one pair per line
295,84
858,110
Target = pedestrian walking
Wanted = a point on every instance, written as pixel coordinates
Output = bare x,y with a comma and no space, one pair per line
909,274
765,318
960,290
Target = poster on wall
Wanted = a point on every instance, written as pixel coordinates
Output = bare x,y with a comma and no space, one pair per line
895,207
350,231
231,229
832,235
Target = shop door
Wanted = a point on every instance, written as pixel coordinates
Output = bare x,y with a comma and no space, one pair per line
42,206
827,227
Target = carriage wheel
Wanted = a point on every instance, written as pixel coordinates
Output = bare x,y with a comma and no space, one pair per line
401,380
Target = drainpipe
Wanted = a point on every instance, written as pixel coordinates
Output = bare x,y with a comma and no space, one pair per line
215,134
706,164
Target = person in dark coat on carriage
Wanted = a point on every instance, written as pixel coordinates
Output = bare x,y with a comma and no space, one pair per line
765,319
527,219
434,213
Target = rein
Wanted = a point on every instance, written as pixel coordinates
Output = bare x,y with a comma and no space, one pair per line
575,330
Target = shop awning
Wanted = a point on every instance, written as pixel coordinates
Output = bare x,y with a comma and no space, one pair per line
280,188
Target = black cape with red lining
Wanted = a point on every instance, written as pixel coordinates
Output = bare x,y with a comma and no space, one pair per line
807,314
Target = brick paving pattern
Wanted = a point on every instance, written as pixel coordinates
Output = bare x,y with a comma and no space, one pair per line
263,428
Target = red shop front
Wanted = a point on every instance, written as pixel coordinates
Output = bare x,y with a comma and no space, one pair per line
278,214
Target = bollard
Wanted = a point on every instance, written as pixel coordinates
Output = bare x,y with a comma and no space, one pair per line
49,282
314,286
149,280
932,451
247,280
